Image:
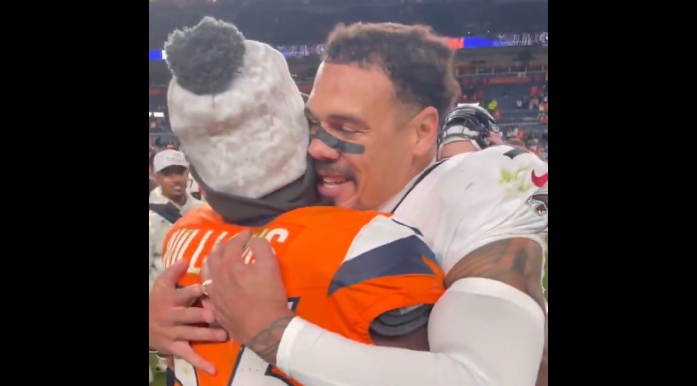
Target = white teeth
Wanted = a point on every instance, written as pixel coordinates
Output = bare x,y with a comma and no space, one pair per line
332,181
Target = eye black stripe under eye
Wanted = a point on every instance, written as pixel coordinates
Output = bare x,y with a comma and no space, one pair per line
337,144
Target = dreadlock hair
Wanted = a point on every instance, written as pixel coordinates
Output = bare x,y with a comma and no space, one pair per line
418,62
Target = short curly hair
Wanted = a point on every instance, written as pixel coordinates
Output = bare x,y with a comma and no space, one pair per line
419,62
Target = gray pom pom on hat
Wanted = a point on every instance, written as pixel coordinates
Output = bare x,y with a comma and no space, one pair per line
206,59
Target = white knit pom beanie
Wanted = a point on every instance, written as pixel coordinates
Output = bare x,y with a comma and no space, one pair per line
235,107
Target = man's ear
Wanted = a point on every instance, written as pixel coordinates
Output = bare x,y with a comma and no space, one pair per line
426,131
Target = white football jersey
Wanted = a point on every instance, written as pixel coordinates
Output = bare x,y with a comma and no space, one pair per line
473,199
192,187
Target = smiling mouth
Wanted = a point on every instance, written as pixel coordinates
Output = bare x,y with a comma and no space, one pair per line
333,182
331,185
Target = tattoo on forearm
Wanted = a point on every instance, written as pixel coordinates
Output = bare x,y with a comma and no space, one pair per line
516,262
265,344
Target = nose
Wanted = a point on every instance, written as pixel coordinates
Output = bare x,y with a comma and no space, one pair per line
320,151
179,178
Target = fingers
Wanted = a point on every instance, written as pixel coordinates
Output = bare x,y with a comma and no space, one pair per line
172,274
199,334
262,250
187,295
235,246
205,270
190,315
184,351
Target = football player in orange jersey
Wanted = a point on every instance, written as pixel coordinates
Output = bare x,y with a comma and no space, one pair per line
358,274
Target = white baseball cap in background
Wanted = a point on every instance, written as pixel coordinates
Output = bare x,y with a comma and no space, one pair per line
167,158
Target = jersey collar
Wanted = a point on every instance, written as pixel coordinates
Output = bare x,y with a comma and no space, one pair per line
390,205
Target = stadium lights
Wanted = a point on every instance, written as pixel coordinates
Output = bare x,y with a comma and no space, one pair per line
156,115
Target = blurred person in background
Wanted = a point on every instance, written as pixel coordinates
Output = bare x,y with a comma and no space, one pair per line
515,142
168,202
151,173
465,129
534,146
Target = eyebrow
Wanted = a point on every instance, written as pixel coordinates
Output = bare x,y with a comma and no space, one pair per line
339,117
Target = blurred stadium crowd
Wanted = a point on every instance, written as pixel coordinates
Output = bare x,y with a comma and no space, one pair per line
501,61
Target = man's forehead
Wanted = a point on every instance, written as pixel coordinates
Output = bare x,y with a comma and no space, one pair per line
346,89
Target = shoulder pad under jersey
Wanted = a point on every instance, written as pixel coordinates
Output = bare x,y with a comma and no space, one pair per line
475,198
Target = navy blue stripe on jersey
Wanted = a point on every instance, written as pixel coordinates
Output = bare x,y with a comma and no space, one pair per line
404,256
514,152
416,230
171,379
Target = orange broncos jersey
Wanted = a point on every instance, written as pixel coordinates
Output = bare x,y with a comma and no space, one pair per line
341,268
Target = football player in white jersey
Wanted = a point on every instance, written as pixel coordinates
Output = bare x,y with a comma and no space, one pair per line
467,128
374,112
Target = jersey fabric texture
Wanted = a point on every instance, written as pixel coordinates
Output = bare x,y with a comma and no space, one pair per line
342,269
473,199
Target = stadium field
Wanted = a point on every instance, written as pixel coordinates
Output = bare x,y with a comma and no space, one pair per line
159,377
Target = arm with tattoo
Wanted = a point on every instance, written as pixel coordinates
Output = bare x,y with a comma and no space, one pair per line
516,262
265,343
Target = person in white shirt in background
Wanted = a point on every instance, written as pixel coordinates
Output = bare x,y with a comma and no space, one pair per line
375,124
151,174
171,172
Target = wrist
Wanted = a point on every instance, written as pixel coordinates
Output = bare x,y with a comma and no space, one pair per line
265,336
264,322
